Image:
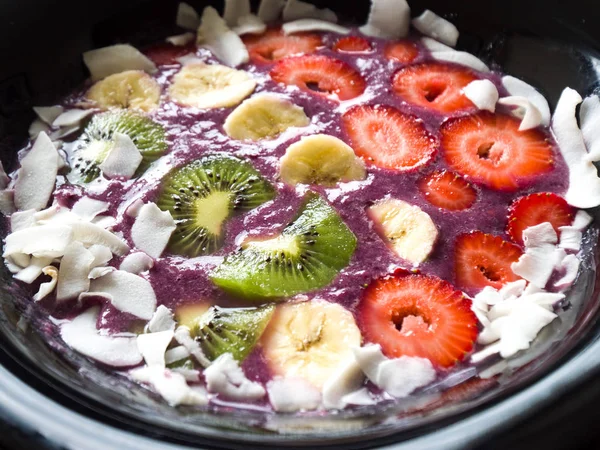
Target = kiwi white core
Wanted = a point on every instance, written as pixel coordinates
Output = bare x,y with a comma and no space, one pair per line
212,211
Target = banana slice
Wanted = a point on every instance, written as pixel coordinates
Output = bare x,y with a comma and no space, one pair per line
320,159
310,340
210,86
264,116
409,229
130,89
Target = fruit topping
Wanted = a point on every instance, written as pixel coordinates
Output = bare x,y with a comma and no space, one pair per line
387,138
418,315
225,44
264,116
307,255
210,86
310,340
483,94
538,208
490,149
188,314
447,190
352,44
113,59
320,159
304,25
273,45
130,89
430,24
402,51
408,229
435,86
484,260
202,195
320,74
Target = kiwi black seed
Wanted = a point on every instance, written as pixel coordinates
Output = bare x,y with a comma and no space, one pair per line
202,195
95,143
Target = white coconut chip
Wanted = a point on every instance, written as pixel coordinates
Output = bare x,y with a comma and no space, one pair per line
22,219
399,377
73,272
359,397
105,222
536,265
493,370
190,58
71,118
31,273
98,272
522,108
225,44
225,376
152,230
485,353
87,208
369,358
102,255
302,25
90,234
183,337
234,9
347,379
181,40
249,24
48,114
432,25
462,58
513,289
171,386
581,220
36,127
137,263
37,175
293,394
543,299
129,293
82,336
17,261
589,118
488,296
387,19
176,354
483,94
584,184
296,9
539,235
191,375
43,240
570,238
153,347
435,46
519,88
187,17
123,159
270,10
47,287
134,208
162,320
570,264
106,61
64,132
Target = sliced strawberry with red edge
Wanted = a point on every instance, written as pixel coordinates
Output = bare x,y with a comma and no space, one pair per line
418,315
163,54
435,86
352,44
388,138
447,190
273,45
538,208
320,74
490,149
484,260
403,51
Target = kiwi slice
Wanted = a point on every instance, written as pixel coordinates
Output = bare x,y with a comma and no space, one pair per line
307,255
231,330
96,142
202,195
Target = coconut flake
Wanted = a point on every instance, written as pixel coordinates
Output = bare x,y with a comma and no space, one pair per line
48,114
105,222
399,377
36,127
190,58
540,235
581,220
43,240
296,9
347,379
98,272
47,287
134,208
218,38
162,320
176,354
87,208
123,160
589,117
234,9
106,61
31,273
181,40
73,272
359,397
483,94
522,108
430,24
129,293
369,358
90,234
171,386
536,265
191,375
153,346
182,335
249,24
137,263
570,264
293,394
225,376
302,25
584,184
72,117
152,229
102,255
37,175
462,58
187,17
82,336
387,19
22,219
270,10
435,46
519,88
570,238
512,289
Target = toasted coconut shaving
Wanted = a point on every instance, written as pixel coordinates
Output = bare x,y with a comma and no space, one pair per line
430,24
106,61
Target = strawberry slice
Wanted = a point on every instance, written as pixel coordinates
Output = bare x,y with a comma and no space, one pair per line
388,138
484,260
491,150
538,208
435,86
403,51
352,44
447,190
163,54
273,45
418,315
321,74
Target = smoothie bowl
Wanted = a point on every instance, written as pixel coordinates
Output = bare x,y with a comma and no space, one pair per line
300,230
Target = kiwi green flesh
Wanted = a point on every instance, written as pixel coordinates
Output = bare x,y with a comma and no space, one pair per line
203,195
95,142
308,255
231,330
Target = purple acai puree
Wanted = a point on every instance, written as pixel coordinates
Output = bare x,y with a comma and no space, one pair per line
193,133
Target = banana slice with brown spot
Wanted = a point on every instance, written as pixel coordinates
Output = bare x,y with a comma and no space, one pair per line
132,89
